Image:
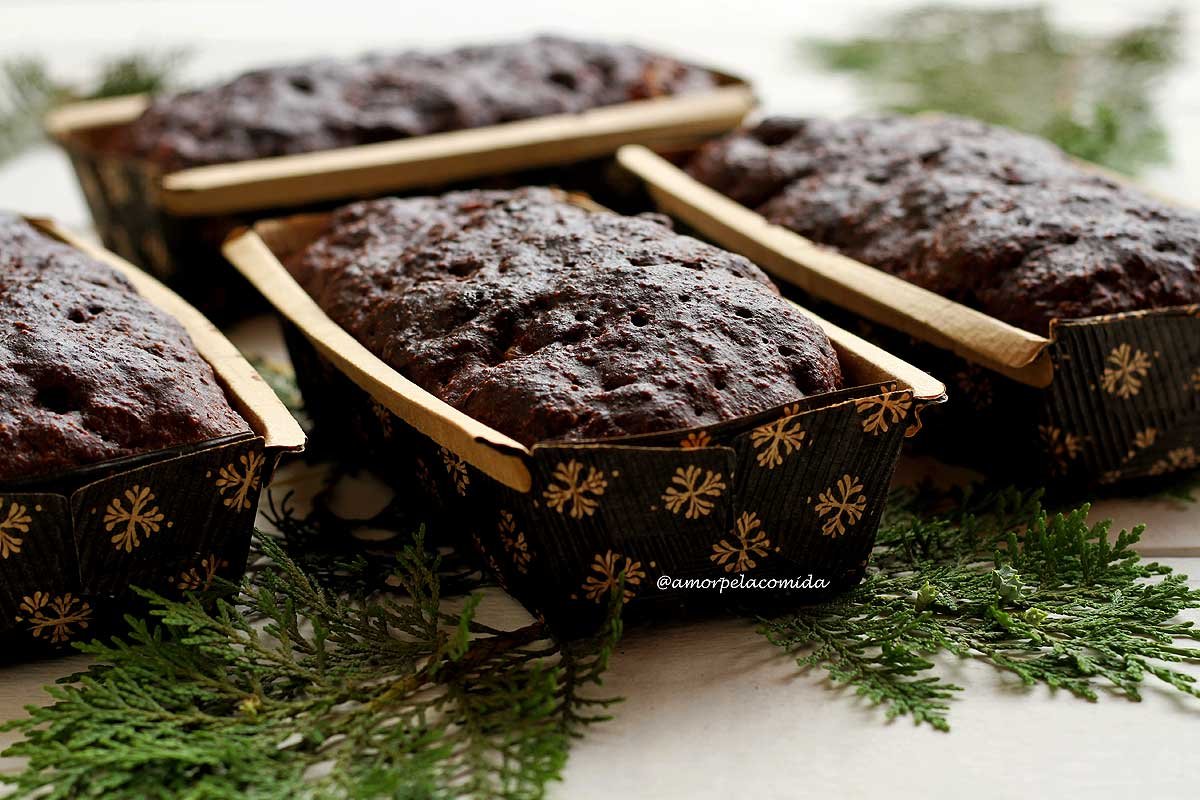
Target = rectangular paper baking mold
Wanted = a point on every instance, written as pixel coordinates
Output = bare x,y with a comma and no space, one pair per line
1099,400
791,491
173,224
72,544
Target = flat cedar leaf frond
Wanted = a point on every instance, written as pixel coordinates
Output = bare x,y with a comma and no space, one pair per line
28,90
306,683
323,545
992,576
1092,95
295,691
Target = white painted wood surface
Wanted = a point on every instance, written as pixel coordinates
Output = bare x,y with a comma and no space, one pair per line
711,710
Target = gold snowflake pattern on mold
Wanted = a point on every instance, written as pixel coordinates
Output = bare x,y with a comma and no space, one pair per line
841,506
975,385
608,569
54,617
141,519
1180,458
13,521
749,541
571,493
514,541
1061,446
200,577
1126,370
776,440
238,483
696,440
882,410
456,468
691,494
1145,438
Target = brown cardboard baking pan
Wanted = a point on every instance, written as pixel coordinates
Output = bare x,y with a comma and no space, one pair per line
173,224
792,491
72,544
1099,400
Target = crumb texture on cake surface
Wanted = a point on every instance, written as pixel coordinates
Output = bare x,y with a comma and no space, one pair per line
89,371
998,220
550,322
327,104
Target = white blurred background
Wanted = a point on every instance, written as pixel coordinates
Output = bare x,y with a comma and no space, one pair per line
760,39
779,734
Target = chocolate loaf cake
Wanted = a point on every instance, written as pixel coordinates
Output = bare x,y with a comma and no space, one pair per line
89,371
997,220
547,321
328,104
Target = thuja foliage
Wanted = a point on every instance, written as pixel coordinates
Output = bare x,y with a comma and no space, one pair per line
291,691
311,682
325,546
28,90
1047,597
1091,95
282,380
1183,488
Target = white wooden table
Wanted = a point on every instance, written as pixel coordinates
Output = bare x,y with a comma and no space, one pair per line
711,709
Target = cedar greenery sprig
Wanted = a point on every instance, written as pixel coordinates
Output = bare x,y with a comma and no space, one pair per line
995,578
1183,488
282,380
1091,95
28,90
340,695
323,544
329,698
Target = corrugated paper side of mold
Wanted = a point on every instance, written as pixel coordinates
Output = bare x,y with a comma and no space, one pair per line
794,491
1125,400
73,545
1101,400
1124,403
173,224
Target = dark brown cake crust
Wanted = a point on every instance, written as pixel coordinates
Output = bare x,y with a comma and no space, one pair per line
89,371
550,322
994,219
328,104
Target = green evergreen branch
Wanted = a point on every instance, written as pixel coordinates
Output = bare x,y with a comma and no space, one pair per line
326,697
1051,599
282,380
324,546
1091,95
28,90
303,689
